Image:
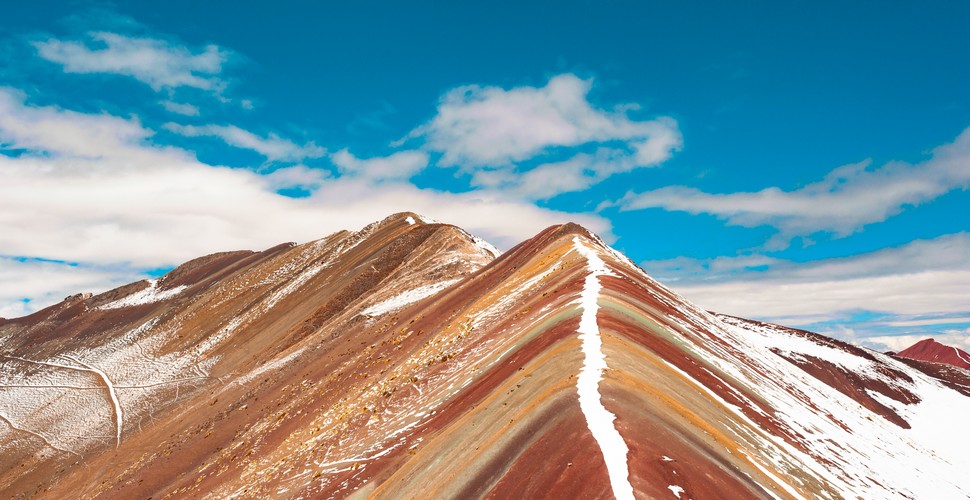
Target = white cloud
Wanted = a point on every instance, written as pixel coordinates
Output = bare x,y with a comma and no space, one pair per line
180,108
67,133
954,338
296,176
845,200
49,282
923,277
928,322
273,147
481,126
546,180
401,165
102,196
486,130
161,64
917,293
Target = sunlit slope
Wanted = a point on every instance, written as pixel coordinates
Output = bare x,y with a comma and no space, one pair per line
406,361
232,315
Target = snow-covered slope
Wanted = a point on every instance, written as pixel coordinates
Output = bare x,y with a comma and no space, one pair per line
410,359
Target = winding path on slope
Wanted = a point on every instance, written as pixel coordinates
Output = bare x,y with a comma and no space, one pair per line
598,418
116,405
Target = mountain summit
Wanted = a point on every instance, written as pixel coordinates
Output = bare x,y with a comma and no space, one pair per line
411,359
931,350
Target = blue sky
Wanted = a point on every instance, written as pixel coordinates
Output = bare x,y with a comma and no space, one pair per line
803,164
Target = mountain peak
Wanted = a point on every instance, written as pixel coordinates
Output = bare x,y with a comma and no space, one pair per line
407,218
406,360
931,350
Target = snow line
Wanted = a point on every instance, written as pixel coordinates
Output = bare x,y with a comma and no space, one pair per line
598,418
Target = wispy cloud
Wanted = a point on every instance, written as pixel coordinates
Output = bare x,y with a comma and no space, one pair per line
921,284
273,147
930,322
296,176
161,64
180,108
488,130
845,200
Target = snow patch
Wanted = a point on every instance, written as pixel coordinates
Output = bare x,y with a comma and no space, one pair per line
427,220
676,490
486,247
410,220
408,297
145,296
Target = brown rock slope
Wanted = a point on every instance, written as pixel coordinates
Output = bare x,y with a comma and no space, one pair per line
931,350
402,361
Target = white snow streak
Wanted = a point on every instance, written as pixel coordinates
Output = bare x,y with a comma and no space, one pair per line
272,365
598,418
959,355
119,415
427,220
676,490
408,297
144,296
410,220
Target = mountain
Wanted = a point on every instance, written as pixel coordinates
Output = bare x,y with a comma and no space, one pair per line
931,350
410,359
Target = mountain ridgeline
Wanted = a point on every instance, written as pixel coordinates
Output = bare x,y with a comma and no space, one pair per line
411,359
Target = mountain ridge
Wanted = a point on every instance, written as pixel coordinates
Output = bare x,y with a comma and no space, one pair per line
407,359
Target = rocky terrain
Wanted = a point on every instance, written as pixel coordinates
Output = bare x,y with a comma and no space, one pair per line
410,359
931,350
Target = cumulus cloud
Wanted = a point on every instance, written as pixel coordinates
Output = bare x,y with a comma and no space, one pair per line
845,200
481,126
487,130
161,64
273,147
401,165
92,189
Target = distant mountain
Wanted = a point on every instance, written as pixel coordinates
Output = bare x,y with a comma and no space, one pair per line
411,360
931,350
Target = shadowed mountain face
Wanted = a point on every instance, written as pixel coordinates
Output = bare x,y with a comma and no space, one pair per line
931,350
410,360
